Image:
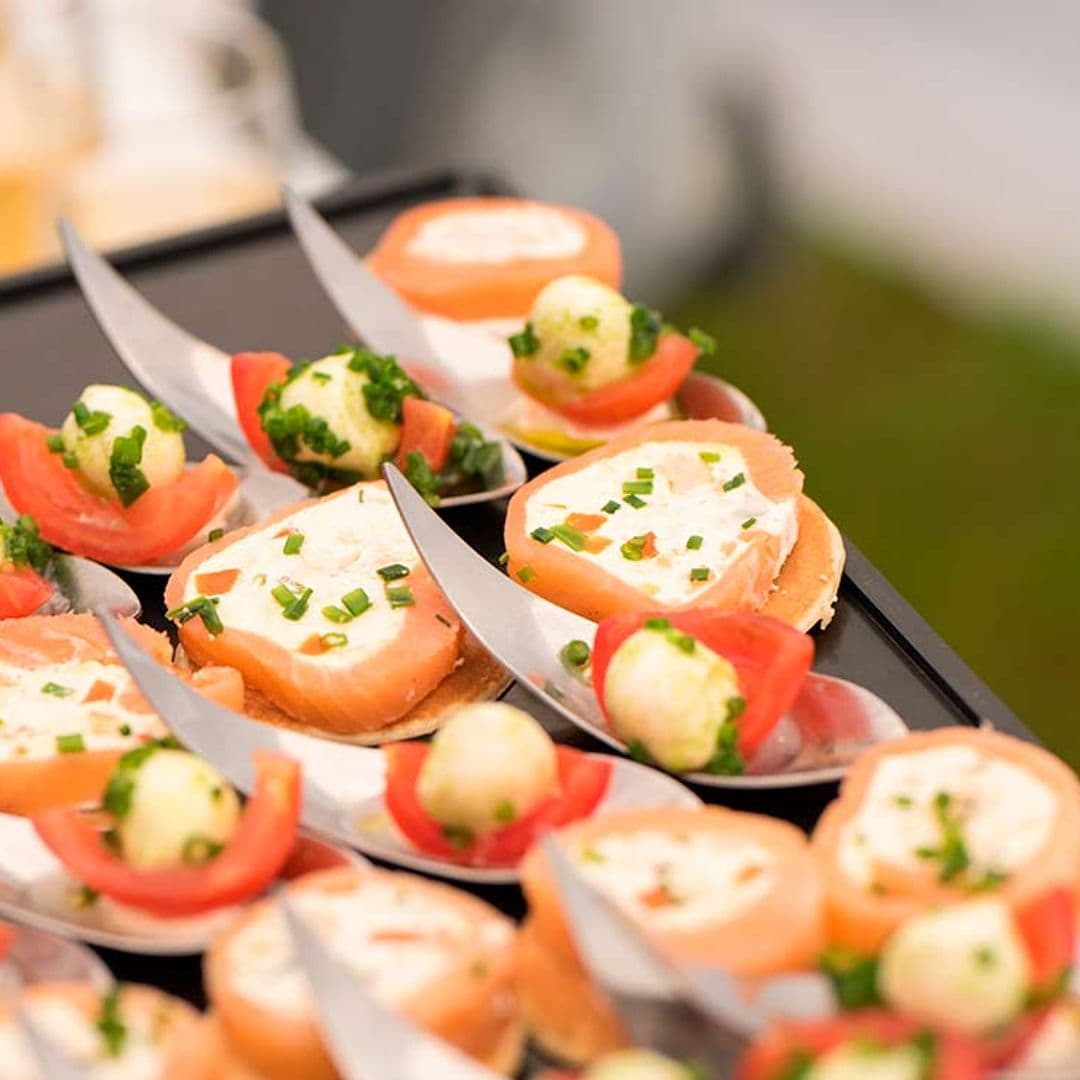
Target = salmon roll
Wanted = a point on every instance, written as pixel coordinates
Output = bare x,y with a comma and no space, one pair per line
681,514
445,958
333,620
709,886
70,709
939,816
476,259
132,1031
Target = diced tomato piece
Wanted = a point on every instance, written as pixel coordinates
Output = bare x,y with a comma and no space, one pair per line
157,523
586,522
1048,927
428,429
657,380
595,544
100,691
217,583
770,658
260,847
253,373
22,592
582,783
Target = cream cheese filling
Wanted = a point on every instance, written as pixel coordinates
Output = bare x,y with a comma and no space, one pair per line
498,236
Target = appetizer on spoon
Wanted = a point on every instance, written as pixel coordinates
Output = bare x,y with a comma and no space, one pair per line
356,794
760,718
603,362
327,422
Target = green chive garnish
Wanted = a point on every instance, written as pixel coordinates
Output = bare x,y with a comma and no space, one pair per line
90,423
526,574
400,597
635,502
283,595
610,506
56,690
710,457
524,343
693,543
576,654
356,602
637,487
393,571
70,744
574,360
293,605
657,624
634,548
215,534
504,558
573,538
293,543
55,443
544,536
644,474
336,614
749,522
70,460
334,640
202,606
699,573
736,481
588,322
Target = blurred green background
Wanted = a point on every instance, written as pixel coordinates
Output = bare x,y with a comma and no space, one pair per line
946,443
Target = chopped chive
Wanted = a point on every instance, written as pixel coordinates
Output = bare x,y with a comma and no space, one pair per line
356,602
658,624
334,640
283,595
504,558
644,474
637,487
320,377
400,597
524,343
575,654
296,610
699,573
749,522
90,423
710,457
336,614
70,460
443,619
635,502
634,549
215,534
736,481
293,543
164,420
70,744
505,812
573,538
706,343
55,443
610,506
543,535
682,641
526,574
645,329
588,322
56,690
393,571
125,729
204,608
693,543
573,360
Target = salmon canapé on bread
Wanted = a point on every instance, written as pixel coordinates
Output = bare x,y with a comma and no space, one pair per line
681,514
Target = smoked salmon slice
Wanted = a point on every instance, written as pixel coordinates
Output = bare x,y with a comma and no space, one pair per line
940,817
488,257
332,619
709,886
698,513
445,958
70,709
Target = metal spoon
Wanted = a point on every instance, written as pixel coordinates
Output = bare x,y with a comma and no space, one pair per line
344,785
477,382
79,584
830,724
193,377
37,891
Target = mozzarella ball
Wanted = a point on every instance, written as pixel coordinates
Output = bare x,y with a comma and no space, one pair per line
582,328
670,699
637,1065
181,810
965,966
489,766
331,391
869,1063
118,411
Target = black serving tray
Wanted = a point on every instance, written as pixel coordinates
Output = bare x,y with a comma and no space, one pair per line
246,286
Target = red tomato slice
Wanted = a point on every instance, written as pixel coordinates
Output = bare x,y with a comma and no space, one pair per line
253,373
772,1057
582,783
770,657
657,380
69,516
22,592
427,428
1048,927
260,847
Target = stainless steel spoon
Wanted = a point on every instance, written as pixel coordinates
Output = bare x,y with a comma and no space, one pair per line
344,785
830,724
193,377
477,382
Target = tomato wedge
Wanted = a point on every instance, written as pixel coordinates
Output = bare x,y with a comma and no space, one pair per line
582,783
1048,927
770,657
657,380
253,373
427,428
777,1055
22,592
260,847
69,516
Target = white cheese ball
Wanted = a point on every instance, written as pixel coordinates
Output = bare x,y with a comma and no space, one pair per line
965,965
180,806
489,766
571,314
670,700
636,1065
869,1063
329,390
163,454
